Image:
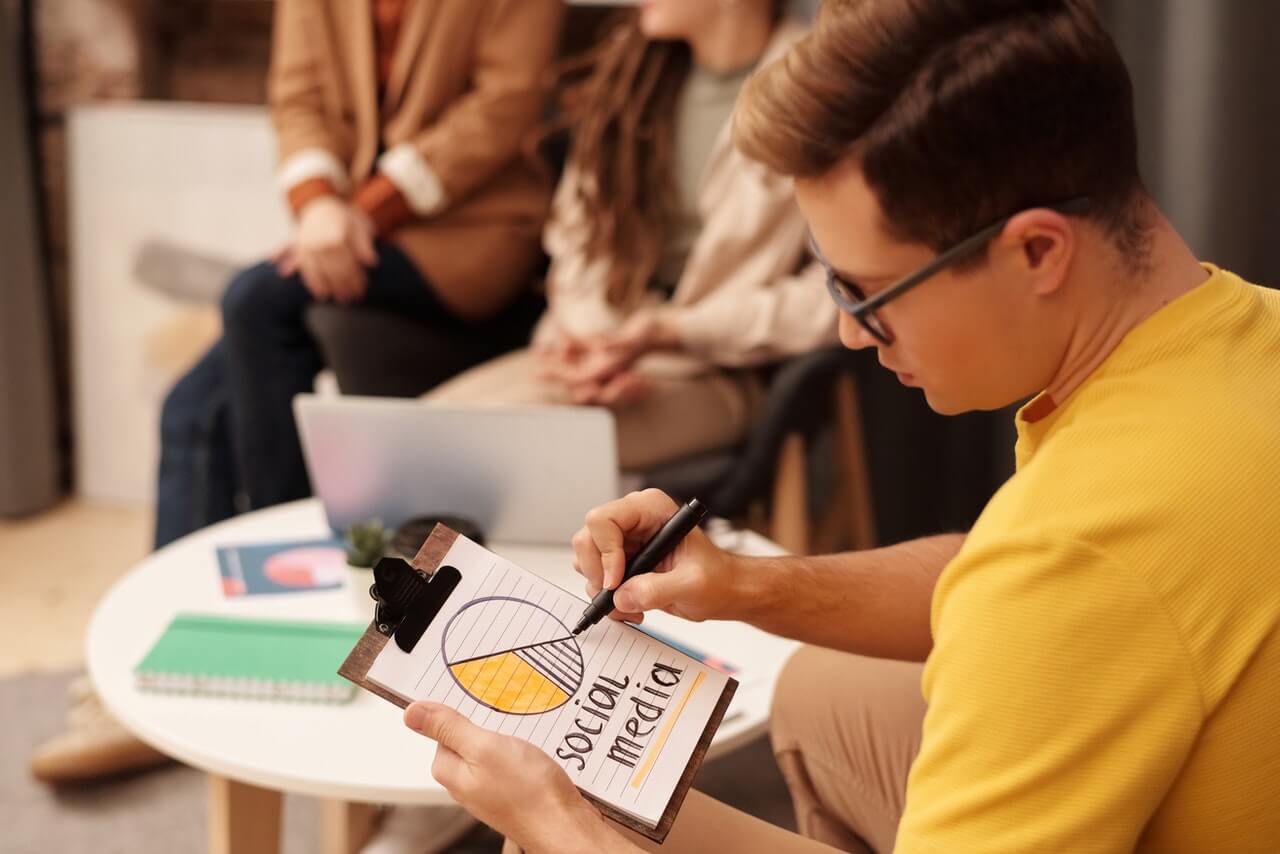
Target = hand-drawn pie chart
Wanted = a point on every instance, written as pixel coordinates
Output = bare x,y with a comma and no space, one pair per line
512,656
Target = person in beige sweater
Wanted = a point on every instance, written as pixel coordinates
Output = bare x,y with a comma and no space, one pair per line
675,261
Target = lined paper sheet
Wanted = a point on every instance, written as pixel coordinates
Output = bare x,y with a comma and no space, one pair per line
618,710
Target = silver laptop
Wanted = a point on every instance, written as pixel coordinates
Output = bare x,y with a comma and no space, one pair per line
524,474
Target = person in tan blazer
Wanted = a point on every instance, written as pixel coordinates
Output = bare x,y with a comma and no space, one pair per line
402,128
676,263
416,113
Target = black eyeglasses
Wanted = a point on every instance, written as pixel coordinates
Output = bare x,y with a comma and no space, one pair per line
854,301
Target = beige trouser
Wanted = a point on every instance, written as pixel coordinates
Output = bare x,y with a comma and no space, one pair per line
845,731
682,416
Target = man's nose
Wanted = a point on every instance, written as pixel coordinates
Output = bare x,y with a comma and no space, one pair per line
853,335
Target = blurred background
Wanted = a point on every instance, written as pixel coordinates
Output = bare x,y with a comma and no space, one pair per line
127,121
134,137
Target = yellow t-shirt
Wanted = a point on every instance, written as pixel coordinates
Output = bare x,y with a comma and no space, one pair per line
1106,665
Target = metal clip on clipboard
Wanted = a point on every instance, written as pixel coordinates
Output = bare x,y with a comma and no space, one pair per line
408,599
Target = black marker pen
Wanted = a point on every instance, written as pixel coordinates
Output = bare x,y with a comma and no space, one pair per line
661,544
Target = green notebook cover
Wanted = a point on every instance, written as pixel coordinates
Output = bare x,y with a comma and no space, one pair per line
251,658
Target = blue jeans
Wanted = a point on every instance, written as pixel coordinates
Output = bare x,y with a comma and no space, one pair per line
227,434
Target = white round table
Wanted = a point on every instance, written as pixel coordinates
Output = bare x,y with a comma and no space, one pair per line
352,755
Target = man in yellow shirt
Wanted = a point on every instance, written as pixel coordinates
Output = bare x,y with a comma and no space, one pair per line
1103,648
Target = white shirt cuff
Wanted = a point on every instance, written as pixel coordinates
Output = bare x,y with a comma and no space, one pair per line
312,163
414,178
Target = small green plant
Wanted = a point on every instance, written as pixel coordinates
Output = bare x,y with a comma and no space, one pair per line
366,543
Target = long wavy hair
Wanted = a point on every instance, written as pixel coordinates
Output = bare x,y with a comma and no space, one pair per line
619,104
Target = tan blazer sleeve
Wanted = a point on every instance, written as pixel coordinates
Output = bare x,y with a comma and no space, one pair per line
305,144
484,129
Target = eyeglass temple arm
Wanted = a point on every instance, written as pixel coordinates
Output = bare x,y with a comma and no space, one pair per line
1071,207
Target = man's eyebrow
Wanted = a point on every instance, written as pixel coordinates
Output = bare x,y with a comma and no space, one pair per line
853,278
850,277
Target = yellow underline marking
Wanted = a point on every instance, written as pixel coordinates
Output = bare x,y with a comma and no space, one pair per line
638,780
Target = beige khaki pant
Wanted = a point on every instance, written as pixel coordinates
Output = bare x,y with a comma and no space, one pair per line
682,416
845,731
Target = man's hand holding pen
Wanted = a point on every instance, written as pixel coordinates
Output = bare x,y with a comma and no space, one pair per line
696,581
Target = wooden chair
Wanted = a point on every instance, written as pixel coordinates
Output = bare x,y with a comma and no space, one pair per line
810,422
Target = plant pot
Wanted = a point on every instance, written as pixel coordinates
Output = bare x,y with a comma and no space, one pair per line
359,580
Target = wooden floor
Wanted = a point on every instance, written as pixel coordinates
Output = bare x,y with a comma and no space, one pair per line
53,569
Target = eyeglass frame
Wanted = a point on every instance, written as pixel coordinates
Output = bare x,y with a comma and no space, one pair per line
865,307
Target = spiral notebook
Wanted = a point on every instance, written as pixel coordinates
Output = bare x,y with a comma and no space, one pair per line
250,658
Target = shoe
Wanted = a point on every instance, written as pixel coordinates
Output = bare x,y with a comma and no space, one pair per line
95,744
419,830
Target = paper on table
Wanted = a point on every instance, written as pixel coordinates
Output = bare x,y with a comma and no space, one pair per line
618,710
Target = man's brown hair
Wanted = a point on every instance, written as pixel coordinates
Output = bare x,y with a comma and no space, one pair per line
958,113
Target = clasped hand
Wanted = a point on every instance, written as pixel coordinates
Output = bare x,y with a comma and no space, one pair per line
599,370
332,250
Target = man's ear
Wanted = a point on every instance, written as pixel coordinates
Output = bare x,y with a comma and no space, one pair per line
1040,244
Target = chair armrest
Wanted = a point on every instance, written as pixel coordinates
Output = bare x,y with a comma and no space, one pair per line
798,400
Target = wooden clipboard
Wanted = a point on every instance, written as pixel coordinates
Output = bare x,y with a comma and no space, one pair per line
429,557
